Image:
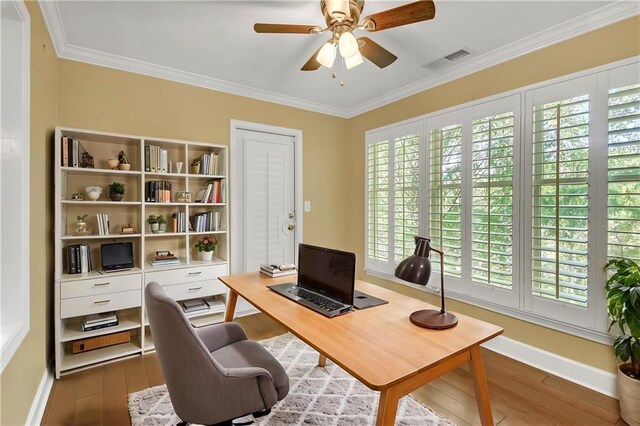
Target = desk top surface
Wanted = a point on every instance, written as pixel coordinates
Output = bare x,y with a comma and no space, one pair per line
379,346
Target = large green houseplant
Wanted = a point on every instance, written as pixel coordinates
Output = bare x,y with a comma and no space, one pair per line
623,306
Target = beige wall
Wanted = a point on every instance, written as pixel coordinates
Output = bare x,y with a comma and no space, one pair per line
20,379
100,98
602,46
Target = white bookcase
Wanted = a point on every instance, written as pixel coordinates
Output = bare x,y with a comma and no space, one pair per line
80,294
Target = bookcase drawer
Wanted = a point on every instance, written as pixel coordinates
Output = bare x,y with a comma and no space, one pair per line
195,289
186,275
79,306
103,285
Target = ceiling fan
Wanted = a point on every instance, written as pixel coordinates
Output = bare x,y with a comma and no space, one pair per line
342,18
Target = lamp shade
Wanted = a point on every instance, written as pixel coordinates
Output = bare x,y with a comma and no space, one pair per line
417,267
353,61
347,44
327,55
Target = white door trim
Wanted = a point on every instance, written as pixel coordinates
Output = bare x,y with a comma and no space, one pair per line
236,162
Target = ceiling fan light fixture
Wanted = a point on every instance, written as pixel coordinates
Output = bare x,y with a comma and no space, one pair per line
338,9
327,55
348,44
353,61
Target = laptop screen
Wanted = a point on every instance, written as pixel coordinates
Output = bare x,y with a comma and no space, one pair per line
327,271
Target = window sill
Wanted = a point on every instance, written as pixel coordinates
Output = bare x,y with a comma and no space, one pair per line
11,336
585,333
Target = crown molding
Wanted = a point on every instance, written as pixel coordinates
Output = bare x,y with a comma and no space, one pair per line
606,15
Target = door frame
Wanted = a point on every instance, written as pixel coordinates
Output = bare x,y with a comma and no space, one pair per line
237,197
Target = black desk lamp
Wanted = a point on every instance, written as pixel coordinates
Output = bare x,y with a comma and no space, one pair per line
417,269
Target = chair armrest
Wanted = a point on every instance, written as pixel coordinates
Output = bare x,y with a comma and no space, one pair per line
218,335
266,385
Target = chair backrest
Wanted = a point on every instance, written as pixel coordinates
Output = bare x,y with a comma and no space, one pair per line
189,369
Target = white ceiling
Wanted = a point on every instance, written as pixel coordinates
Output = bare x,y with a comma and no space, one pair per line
212,43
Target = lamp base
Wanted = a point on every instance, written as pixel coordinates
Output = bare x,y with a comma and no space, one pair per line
434,319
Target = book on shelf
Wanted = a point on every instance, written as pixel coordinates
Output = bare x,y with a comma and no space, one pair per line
74,154
104,225
275,271
210,164
194,305
207,221
79,259
147,158
156,159
178,222
158,192
212,191
163,258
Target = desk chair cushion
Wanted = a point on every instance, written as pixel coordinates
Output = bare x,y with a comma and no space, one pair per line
246,353
202,389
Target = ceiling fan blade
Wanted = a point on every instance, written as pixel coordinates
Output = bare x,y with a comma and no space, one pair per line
284,28
376,53
421,10
312,64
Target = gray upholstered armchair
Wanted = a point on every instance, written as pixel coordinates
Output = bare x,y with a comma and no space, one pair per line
213,374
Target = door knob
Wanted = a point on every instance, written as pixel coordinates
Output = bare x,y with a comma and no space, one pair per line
290,227
291,215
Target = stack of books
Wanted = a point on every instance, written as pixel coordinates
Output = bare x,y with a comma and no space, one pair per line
274,271
194,305
212,191
104,226
96,321
164,258
79,259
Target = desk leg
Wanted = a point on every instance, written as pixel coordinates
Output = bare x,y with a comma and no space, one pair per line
322,360
387,407
480,385
231,306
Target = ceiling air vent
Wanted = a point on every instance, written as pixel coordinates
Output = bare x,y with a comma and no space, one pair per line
457,55
447,60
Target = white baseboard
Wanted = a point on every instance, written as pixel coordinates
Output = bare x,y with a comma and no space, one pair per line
40,400
576,372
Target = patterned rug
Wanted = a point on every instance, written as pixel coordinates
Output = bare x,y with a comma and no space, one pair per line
317,396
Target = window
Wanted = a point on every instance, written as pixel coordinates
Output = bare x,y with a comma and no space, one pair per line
623,172
560,200
14,174
445,197
527,194
492,200
393,195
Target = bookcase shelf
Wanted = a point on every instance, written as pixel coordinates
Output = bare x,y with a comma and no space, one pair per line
110,288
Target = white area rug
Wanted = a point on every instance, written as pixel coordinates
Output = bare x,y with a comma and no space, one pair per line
317,396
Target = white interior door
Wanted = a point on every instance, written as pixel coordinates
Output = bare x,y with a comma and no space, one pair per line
263,202
269,225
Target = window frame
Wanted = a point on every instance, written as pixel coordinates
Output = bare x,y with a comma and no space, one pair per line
607,76
15,331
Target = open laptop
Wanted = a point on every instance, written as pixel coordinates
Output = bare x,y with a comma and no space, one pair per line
326,282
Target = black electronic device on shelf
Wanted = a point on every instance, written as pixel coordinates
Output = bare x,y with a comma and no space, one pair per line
116,256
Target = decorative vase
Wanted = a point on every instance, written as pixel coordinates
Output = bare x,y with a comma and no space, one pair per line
112,163
124,166
93,195
116,197
195,169
154,227
206,255
629,394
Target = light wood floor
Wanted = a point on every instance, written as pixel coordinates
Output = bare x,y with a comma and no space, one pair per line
519,394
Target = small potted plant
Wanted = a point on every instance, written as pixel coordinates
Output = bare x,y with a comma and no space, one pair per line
152,220
162,224
195,166
206,246
93,192
123,161
116,191
623,306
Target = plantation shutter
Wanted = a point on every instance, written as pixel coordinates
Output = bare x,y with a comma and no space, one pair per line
492,200
560,200
623,208
378,201
445,196
406,194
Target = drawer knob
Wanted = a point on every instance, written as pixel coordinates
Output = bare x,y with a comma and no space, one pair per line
195,273
195,288
100,302
101,284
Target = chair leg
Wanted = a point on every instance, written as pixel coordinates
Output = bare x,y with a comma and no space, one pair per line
262,413
182,424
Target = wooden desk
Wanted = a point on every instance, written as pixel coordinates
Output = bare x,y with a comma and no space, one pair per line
379,346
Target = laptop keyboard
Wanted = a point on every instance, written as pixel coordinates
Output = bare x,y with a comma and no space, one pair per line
321,301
